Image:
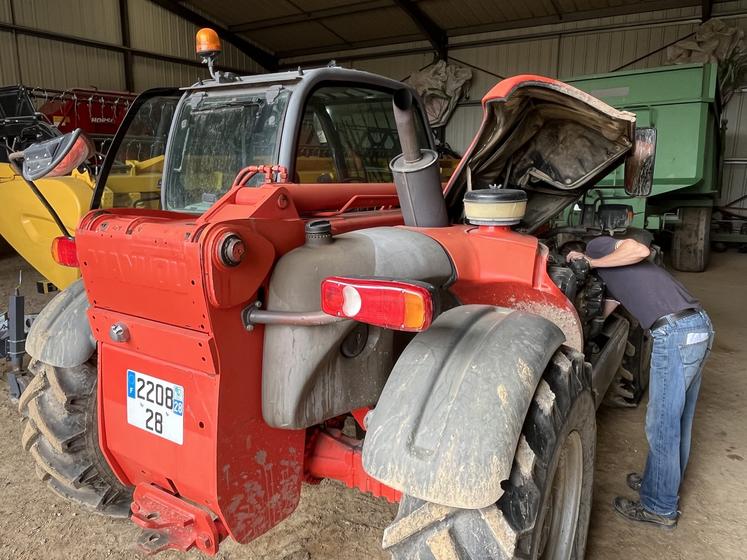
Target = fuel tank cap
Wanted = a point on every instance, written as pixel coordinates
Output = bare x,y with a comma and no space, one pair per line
318,232
495,206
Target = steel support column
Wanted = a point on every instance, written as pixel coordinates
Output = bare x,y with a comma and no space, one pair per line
706,9
437,36
124,27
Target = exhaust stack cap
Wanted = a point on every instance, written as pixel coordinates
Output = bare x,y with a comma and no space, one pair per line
495,207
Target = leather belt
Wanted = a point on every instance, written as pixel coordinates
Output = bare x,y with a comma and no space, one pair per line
672,317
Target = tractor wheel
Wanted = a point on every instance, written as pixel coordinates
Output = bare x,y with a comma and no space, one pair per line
691,243
60,430
631,379
544,510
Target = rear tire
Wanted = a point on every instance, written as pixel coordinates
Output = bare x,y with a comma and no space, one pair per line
691,243
544,510
60,431
631,380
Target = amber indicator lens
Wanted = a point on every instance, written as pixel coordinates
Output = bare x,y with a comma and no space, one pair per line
64,252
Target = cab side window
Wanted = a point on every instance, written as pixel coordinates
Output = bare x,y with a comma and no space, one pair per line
135,176
348,135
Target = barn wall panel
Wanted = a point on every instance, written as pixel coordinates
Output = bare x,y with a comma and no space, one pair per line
5,10
8,64
148,73
82,18
57,65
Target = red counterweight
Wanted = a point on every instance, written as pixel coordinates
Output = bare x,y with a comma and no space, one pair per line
162,274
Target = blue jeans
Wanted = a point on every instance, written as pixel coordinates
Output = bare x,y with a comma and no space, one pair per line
679,352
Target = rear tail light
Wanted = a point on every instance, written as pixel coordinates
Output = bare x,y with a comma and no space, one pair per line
392,304
63,251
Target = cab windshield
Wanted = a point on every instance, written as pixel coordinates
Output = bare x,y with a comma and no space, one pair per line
217,133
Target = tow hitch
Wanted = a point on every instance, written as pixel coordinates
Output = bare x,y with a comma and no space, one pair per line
170,522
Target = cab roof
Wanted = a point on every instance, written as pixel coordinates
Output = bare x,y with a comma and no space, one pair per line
294,78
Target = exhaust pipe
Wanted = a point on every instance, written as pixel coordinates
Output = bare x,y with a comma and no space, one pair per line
416,173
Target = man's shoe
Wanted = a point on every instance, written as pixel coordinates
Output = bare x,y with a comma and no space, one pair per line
634,511
634,481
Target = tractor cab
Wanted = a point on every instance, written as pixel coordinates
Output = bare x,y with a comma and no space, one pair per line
330,126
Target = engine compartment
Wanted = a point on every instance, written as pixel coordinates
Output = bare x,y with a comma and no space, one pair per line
611,334
582,286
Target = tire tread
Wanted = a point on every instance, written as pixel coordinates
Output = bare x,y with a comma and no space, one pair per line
502,531
60,433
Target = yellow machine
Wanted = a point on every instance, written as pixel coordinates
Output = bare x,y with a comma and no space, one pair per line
29,228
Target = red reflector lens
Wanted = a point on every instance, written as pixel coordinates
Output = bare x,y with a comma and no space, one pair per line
391,304
63,251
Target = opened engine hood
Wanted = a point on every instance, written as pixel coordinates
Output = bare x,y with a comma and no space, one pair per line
546,137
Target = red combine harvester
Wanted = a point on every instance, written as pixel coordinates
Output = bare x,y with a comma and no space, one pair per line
217,349
97,112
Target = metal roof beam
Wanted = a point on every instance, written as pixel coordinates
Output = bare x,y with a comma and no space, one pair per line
332,51
294,58
436,36
314,15
262,57
124,27
556,9
633,7
706,8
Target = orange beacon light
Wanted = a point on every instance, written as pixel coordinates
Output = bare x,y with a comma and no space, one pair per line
207,43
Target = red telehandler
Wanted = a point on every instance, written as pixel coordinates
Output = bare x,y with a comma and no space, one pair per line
307,267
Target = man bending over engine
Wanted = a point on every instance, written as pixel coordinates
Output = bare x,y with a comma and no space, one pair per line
683,335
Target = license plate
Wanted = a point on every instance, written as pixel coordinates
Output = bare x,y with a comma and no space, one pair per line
156,406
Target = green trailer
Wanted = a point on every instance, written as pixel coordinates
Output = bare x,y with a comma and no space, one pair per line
681,102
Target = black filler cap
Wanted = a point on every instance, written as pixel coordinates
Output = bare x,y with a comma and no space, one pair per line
491,196
318,232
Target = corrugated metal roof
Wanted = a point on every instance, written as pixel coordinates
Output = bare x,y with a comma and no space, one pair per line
290,28
387,22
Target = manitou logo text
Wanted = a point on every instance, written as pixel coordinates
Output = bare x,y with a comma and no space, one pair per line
153,271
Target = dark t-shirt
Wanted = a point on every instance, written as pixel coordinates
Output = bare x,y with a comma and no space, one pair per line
646,290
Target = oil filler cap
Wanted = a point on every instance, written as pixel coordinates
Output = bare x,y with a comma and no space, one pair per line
495,207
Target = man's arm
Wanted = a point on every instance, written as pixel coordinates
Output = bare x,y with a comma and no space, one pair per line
627,251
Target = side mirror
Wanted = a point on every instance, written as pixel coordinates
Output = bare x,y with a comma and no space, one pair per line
639,165
56,157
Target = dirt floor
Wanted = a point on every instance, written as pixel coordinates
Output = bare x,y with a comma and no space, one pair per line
333,522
